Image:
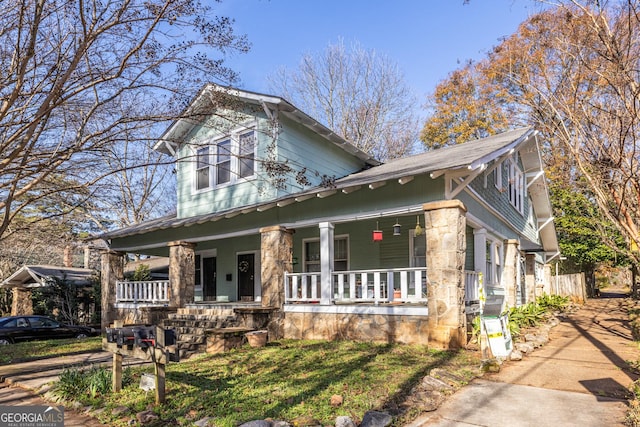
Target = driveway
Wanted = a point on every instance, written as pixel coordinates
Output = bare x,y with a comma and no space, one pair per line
580,377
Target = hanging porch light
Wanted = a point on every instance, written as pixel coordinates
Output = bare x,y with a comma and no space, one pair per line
418,230
377,233
396,228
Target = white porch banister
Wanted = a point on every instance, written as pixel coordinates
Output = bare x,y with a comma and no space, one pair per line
471,286
372,286
147,292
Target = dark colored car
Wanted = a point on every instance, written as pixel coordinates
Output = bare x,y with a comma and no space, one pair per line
26,328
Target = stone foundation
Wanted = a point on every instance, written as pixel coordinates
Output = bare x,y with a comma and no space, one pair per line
357,327
225,339
142,315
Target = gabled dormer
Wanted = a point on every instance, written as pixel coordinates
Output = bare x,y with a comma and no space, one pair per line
237,148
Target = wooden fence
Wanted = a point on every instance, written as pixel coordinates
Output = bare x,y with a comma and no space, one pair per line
570,285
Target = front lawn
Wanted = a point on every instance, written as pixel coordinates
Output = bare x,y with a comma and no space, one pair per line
286,380
25,351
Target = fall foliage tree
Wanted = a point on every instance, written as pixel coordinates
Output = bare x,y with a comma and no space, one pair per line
572,72
462,108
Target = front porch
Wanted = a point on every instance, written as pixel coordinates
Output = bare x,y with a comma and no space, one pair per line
413,304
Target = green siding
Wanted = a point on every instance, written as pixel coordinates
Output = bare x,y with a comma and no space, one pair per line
300,148
499,200
362,202
296,146
364,253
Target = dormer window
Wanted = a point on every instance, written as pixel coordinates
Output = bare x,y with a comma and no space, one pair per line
226,160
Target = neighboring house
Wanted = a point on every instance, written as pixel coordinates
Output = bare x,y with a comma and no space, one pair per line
29,277
277,212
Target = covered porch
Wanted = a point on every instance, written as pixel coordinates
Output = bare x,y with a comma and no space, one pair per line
428,291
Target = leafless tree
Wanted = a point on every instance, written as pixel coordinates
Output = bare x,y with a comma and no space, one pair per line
142,186
356,92
576,67
82,77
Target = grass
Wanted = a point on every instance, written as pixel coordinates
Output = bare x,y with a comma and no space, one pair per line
286,380
25,351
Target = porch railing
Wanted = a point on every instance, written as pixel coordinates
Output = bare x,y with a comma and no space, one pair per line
471,286
372,286
149,292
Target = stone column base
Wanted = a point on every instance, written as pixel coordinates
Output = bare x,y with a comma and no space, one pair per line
447,338
21,304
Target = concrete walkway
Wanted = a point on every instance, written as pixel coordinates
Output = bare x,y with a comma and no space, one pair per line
21,384
579,378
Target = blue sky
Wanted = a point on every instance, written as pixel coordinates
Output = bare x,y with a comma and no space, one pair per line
426,38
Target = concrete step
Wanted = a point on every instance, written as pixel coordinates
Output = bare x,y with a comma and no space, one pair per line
216,311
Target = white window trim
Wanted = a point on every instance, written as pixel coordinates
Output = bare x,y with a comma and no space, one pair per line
212,143
488,249
497,177
496,257
317,239
516,186
412,235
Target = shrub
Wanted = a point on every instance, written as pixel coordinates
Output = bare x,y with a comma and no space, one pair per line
78,383
532,314
553,302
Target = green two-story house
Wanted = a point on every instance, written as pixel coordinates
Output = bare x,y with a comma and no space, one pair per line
277,212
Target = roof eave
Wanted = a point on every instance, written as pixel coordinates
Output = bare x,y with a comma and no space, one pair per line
181,127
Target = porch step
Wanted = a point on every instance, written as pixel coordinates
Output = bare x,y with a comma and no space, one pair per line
191,329
220,340
215,329
202,323
210,311
198,317
192,339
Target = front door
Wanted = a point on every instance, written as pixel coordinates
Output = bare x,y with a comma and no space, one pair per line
246,265
209,279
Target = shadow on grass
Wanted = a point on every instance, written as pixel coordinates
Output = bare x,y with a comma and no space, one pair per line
288,380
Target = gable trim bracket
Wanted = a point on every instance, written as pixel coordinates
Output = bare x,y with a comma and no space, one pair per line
456,182
544,223
533,177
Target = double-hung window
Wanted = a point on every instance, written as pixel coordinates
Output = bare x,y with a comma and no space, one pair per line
203,180
340,254
223,161
246,149
494,262
227,160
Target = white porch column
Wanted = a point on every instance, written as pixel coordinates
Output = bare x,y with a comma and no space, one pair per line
480,252
326,262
